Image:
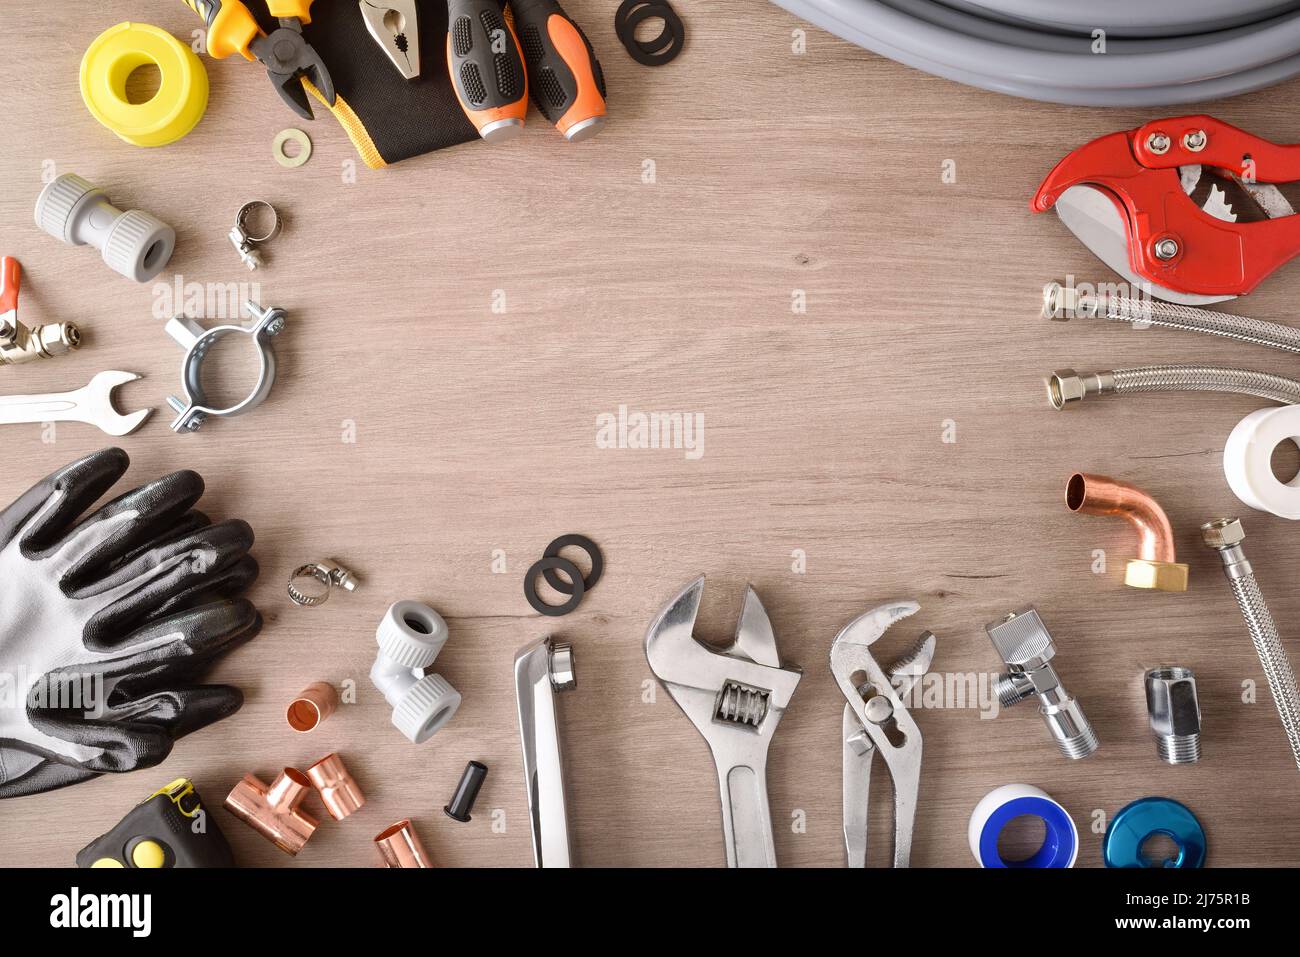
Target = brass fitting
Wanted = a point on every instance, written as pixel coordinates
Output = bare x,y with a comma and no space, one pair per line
20,343
273,811
1156,566
340,794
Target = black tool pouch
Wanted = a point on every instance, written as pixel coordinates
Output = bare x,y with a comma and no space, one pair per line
388,117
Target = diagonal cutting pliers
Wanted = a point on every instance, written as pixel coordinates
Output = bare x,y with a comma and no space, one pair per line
288,57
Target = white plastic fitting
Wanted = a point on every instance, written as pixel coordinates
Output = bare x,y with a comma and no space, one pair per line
1248,460
133,243
410,636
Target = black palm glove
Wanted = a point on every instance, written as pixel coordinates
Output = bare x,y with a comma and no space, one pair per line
106,624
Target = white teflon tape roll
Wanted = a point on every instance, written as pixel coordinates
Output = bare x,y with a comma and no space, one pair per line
1001,806
1248,460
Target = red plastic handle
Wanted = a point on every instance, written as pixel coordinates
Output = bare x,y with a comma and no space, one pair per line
1221,145
11,276
1214,258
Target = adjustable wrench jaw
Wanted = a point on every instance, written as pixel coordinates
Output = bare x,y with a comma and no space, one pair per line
735,697
882,717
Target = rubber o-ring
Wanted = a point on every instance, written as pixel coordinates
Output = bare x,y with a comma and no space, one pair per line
575,577
182,96
574,541
650,52
304,148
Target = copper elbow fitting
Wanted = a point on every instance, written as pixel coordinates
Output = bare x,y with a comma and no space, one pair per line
338,791
274,811
1156,565
314,704
400,846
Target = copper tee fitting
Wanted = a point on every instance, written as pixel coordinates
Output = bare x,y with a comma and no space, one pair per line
338,791
273,811
1156,565
400,846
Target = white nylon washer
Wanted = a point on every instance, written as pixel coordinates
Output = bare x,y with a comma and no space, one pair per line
1248,460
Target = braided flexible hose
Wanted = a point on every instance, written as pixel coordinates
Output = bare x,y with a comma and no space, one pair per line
1173,316
1277,667
1265,385
1065,386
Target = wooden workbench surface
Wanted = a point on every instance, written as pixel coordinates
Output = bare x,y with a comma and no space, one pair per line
417,432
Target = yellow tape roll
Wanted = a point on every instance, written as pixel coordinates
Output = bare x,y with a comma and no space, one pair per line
182,94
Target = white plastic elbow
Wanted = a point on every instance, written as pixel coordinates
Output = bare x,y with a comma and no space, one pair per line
410,636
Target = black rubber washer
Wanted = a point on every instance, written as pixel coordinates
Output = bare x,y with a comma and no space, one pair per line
575,577
654,52
574,541
627,6
627,35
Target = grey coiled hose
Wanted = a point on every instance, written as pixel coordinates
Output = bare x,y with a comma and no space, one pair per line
1156,52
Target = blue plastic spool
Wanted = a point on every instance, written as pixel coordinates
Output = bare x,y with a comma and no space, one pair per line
1059,846
1146,817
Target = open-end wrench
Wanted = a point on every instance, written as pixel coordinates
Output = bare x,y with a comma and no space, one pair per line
92,404
735,697
879,712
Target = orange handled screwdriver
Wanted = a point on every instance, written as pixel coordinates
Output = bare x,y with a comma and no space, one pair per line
487,69
564,75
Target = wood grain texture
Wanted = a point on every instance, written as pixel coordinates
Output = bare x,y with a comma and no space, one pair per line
476,431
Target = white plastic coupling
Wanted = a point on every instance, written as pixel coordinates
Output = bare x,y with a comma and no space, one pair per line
410,635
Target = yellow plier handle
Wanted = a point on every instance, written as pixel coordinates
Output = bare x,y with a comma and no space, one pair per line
231,28
283,9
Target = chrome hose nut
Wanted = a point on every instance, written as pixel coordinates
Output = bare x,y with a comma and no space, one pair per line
1175,714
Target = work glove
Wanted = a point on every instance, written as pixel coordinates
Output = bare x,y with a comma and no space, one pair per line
107,623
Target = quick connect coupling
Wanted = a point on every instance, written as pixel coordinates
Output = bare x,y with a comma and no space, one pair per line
410,636
1026,646
133,243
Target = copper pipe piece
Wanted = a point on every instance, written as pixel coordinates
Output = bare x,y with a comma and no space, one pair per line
400,846
273,811
338,791
314,704
1156,565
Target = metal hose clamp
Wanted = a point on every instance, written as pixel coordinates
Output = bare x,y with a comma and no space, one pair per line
311,584
194,409
246,243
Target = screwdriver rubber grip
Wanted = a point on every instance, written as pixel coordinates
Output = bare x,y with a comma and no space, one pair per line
11,275
486,67
231,28
564,76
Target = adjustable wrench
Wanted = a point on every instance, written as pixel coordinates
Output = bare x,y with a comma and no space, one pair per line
92,404
735,697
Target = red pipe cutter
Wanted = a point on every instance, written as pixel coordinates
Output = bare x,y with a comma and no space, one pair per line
1129,198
